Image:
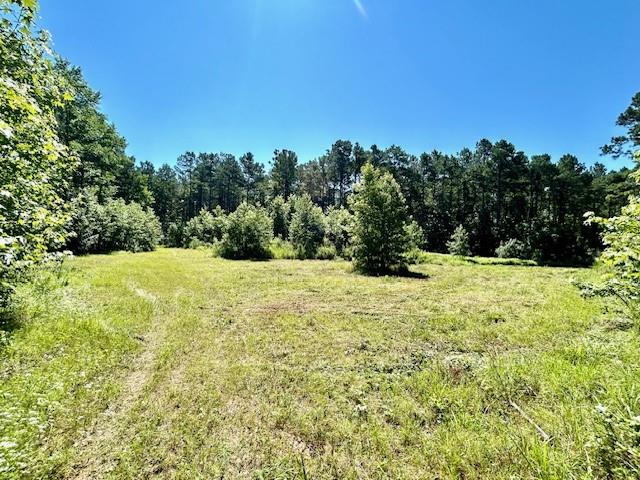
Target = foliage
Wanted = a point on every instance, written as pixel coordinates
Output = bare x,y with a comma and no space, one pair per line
255,179
114,225
307,228
512,248
380,238
248,233
284,173
623,145
206,227
339,222
129,227
86,131
494,190
34,162
206,180
621,235
416,238
415,256
326,252
281,249
622,232
617,441
166,191
415,234
280,213
175,235
341,168
458,244
87,222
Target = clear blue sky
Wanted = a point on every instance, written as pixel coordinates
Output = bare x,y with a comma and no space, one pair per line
237,75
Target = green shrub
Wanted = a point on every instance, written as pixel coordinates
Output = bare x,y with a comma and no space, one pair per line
116,225
347,253
215,249
326,252
512,248
306,230
415,235
339,223
206,227
130,227
380,239
87,224
416,256
248,234
174,236
621,256
459,242
195,244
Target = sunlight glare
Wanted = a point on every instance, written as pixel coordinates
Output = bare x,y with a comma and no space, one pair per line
360,7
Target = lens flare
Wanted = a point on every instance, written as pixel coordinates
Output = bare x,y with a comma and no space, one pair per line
360,8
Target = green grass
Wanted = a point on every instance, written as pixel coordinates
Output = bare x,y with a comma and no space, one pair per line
175,364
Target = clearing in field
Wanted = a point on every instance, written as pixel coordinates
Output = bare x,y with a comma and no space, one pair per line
178,365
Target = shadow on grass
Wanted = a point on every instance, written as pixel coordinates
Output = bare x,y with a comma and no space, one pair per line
246,259
501,261
399,273
410,274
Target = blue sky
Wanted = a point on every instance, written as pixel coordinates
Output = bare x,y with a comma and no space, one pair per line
254,75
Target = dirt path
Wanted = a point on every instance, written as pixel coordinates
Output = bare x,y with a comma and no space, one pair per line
95,446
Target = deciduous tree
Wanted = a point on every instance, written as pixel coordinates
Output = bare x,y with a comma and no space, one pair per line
380,238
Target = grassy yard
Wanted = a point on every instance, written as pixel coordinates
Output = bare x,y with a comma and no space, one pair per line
178,365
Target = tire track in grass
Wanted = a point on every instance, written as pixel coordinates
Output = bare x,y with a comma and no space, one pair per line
95,446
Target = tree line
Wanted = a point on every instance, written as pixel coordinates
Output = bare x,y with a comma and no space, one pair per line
496,192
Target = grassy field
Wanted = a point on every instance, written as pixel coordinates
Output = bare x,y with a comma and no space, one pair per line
178,365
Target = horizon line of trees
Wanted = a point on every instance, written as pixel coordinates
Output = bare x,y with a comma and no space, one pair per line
496,192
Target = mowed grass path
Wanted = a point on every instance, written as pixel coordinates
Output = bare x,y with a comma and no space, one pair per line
173,364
